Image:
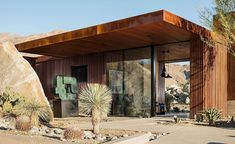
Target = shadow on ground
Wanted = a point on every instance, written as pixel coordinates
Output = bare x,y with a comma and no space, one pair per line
220,124
215,143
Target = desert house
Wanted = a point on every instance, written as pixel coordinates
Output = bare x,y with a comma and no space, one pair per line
128,56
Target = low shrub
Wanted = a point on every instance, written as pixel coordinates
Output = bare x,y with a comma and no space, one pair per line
212,115
23,123
73,132
199,117
35,111
9,100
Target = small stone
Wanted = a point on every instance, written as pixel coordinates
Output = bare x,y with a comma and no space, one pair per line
149,133
158,136
58,131
47,130
114,138
88,135
164,134
152,137
125,135
62,139
51,133
100,137
34,130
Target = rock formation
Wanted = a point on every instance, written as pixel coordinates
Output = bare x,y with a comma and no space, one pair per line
17,73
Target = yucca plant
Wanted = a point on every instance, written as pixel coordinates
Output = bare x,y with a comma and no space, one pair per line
95,99
35,111
212,115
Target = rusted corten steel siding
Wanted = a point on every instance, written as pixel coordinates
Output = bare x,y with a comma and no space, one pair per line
209,78
47,70
231,77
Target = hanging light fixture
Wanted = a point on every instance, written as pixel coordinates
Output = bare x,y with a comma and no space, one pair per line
165,74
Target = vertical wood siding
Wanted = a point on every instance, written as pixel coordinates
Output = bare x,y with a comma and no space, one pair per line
49,69
231,77
196,78
209,78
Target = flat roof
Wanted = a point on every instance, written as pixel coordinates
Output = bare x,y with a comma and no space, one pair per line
156,28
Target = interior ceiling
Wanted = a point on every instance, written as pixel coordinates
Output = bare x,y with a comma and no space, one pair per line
174,52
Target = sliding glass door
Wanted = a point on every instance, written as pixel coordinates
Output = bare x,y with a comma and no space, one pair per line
129,77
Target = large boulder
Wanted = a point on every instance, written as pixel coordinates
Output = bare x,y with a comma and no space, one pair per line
17,73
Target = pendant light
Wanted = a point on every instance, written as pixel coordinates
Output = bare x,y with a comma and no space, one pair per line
168,75
164,74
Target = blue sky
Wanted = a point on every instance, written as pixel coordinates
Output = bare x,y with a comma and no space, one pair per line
26,17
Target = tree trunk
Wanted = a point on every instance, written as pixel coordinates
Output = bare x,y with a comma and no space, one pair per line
96,120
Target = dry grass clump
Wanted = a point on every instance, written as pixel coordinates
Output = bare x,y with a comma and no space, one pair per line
73,133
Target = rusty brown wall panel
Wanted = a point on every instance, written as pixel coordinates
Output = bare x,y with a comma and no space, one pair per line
209,77
49,69
231,75
196,78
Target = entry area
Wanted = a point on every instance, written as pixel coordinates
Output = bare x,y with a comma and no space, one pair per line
177,89
173,79
130,75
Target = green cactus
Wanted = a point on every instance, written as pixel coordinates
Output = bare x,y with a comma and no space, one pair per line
7,107
9,100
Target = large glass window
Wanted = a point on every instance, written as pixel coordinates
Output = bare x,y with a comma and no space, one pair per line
129,77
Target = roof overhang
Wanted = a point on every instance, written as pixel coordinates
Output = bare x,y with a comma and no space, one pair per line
156,28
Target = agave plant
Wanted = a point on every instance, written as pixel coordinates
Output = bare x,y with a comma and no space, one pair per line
212,115
35,111
95,99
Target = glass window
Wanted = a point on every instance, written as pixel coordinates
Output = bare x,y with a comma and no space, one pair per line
129,77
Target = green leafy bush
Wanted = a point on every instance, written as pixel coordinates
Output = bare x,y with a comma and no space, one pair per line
212,115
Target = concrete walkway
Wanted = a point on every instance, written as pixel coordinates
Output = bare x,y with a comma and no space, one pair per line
179,134
198,135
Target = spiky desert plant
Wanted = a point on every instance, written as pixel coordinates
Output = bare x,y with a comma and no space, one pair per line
23,123
95,99
9,100
73,132
35,111
212,115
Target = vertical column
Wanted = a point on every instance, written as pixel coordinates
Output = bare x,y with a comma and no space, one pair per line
208,77
196,77
160,83
153,80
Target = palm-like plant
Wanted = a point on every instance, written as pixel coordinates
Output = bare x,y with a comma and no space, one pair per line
35,111
95,99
